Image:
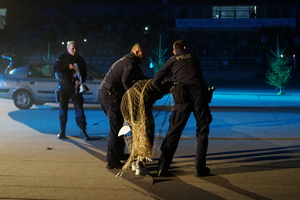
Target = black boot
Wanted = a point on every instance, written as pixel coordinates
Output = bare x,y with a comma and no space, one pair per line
84,135
62,133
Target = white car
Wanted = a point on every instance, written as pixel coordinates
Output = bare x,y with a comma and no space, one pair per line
35,83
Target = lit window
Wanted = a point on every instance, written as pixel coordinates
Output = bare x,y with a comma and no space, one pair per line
234,12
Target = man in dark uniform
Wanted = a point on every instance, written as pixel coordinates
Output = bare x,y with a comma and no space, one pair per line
64,70
185,70
120,77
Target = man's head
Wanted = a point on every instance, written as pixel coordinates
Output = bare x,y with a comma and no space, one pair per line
138,50
71,47
179,45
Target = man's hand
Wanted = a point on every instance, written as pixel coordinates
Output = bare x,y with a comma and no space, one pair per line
78,82
71,66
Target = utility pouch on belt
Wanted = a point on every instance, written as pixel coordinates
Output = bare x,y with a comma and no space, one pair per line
179,94
116,94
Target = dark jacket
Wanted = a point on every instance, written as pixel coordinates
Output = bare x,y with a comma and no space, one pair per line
123,74
185,70
65,74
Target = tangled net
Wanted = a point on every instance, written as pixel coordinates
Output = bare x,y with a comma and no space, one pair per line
136,109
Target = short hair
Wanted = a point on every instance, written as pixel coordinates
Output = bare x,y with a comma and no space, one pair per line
70,42
137,47
179,45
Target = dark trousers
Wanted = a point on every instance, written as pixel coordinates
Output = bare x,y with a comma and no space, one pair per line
111,107
150,125
197,104
78,101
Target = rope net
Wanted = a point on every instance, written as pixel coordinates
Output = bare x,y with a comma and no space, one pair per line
136,108
138,115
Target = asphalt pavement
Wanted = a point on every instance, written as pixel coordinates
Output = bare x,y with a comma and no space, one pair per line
254,151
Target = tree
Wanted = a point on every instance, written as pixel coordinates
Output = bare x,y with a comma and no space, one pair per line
279,73
158,59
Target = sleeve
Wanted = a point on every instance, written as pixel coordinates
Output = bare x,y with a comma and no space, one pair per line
127,77
131,74
161,75
59,64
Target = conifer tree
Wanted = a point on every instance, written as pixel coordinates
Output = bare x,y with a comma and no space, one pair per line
159,59
279,73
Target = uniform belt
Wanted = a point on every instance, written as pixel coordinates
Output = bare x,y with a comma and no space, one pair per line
189,84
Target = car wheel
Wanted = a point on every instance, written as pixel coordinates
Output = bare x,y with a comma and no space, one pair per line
23,99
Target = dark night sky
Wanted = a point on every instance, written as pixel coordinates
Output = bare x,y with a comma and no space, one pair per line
176,2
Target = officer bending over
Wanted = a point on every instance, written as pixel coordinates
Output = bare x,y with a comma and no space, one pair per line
190,95
120,77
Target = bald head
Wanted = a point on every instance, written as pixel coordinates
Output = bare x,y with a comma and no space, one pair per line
137,49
